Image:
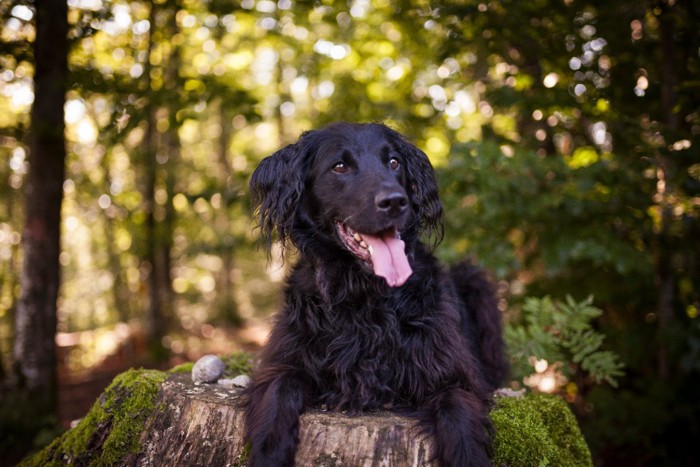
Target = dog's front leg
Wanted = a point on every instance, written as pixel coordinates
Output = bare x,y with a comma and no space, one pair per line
272,418
457,420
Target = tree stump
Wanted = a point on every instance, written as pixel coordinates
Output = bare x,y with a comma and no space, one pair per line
151,418
203,425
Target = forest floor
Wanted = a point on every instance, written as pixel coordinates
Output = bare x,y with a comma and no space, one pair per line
80,385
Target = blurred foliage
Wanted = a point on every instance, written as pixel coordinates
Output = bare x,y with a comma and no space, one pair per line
537,213
564,133
556,331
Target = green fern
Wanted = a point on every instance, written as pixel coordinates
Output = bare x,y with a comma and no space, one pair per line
562,332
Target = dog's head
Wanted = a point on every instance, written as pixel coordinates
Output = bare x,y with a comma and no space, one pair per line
359,187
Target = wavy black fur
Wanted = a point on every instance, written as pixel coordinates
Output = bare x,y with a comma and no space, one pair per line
431,348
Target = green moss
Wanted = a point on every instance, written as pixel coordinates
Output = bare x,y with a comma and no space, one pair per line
537,430
239,363
119,415
242,459
182,368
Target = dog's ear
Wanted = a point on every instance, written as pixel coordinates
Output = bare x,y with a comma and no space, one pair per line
276,188
422,187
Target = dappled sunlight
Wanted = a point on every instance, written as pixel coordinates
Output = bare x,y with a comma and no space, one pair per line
80,351
547,377
565,146
196,340
356,53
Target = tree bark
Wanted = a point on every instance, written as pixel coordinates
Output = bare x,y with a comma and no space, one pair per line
228,309
203,425
157,252
34,351
664,257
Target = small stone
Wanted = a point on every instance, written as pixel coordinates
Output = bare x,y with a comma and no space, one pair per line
226,382
238,382
241,381
208,369
508,392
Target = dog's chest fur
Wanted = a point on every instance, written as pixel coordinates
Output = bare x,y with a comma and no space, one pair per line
371,350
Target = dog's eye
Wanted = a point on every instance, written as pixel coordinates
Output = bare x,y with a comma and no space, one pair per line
340,168
394,163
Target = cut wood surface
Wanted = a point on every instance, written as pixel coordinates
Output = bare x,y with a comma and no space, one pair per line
203,425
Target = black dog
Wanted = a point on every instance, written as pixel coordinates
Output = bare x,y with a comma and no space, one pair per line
370,319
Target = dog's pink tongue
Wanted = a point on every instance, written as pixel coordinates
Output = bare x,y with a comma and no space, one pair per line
389,259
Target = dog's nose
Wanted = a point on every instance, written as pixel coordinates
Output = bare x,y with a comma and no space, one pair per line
391,201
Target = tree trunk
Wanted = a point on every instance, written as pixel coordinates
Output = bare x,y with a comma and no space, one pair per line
35,321
171,147
664,256
203,425
228,309
155,255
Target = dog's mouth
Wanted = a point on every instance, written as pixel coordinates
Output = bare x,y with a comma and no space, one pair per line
383,251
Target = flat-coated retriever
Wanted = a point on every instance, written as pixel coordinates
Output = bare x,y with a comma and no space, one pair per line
370,319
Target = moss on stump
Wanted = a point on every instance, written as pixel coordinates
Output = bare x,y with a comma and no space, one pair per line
112,428
130,424
537,430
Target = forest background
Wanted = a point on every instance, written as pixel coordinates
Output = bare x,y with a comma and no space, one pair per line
564,134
